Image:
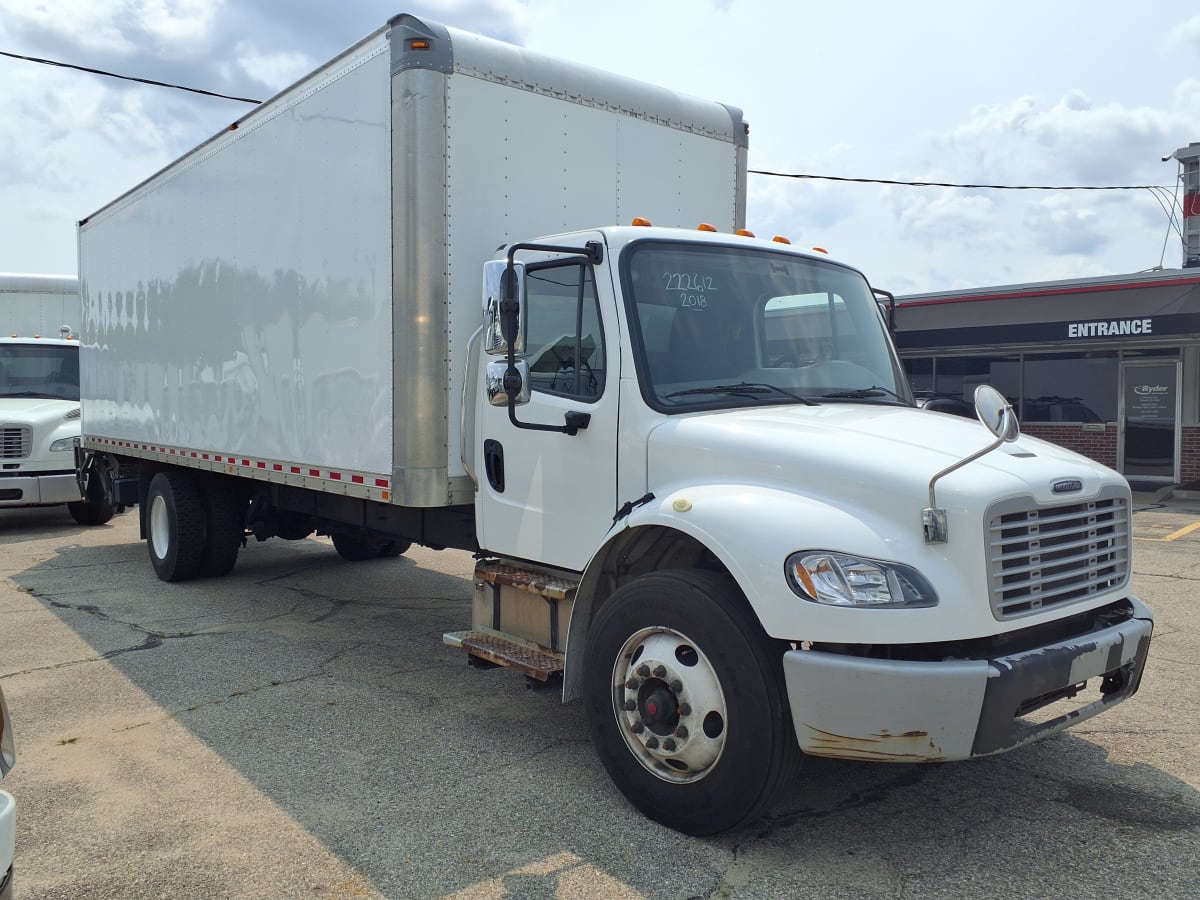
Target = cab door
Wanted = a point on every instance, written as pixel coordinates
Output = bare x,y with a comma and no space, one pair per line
549,496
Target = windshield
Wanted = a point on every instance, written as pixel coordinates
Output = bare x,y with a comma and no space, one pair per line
720,326
49,371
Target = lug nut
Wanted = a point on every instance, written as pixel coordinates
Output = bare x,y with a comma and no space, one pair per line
685,709
660,671
637,727
652,742
669,745
677,686
630,705
681,731
633,684
643,670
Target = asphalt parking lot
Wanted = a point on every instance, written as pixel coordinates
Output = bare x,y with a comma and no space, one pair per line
298,729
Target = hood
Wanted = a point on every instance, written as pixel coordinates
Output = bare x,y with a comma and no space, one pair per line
847,455
34,410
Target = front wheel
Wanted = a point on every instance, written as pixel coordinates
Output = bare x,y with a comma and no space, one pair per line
686,701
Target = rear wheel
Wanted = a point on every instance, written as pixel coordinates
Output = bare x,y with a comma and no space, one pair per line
175,526
225,527
686,701
394,548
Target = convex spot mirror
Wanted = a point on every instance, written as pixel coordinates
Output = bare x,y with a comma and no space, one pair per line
996,413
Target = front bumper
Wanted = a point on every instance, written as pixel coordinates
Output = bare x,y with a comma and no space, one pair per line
39,490
853,707
8,840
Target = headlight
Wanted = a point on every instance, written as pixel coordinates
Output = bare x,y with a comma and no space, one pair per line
62,444
835,579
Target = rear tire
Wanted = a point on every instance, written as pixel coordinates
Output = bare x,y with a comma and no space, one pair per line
174,526
686,701
225,528
394,548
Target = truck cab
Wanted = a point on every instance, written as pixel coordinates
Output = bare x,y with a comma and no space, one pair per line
39,420
760,542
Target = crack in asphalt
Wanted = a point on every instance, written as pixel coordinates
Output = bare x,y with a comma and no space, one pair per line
319,672
737,874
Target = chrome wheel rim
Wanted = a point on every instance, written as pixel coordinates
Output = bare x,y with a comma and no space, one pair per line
669,705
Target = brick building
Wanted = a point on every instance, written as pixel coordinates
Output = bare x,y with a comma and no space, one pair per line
1109,367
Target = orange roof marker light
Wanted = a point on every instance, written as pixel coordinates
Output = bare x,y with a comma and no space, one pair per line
744,232
780,239
704,226
821,250
640,222
420,44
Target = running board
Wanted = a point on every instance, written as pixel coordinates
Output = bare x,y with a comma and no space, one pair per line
535,662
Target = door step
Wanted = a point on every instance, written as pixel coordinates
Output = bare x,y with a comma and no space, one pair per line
536,662
552,587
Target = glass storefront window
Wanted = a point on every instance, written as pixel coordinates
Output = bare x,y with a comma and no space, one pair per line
957,377
1070,387
920,374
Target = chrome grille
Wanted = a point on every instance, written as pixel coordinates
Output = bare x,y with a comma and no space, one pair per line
1049,556
15,441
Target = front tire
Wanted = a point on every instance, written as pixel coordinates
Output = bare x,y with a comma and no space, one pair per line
175,526
686,701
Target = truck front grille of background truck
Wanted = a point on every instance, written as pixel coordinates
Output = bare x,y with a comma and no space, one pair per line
1048,556
15,441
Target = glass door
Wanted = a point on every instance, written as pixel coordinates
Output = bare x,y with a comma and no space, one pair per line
1150,420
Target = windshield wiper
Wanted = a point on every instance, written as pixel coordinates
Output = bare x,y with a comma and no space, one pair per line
865,394
743,389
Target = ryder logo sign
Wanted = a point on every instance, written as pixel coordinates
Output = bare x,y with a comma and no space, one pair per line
1113,328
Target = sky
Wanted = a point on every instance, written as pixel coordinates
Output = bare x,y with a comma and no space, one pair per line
1018,93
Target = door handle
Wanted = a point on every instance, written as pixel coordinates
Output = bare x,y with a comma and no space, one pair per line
493,464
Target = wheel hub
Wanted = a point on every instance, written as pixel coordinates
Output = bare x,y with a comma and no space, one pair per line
669,705
659,707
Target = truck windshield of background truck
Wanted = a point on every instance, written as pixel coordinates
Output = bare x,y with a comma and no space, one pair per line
718,326
46,371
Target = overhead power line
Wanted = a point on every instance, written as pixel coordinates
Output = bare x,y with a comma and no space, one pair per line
151,81
796,175
951,184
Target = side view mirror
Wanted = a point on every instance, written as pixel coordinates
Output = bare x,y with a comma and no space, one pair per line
996,414
499,281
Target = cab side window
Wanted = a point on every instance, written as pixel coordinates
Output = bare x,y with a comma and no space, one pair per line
564,342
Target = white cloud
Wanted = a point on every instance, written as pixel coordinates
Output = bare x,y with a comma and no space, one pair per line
83,23
1185,35
275,70
176,23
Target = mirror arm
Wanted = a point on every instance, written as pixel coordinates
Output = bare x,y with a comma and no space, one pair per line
593,253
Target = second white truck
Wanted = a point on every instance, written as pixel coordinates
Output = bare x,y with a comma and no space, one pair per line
687,458
39,396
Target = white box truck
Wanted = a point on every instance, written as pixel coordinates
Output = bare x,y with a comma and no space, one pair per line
39,396
687,459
